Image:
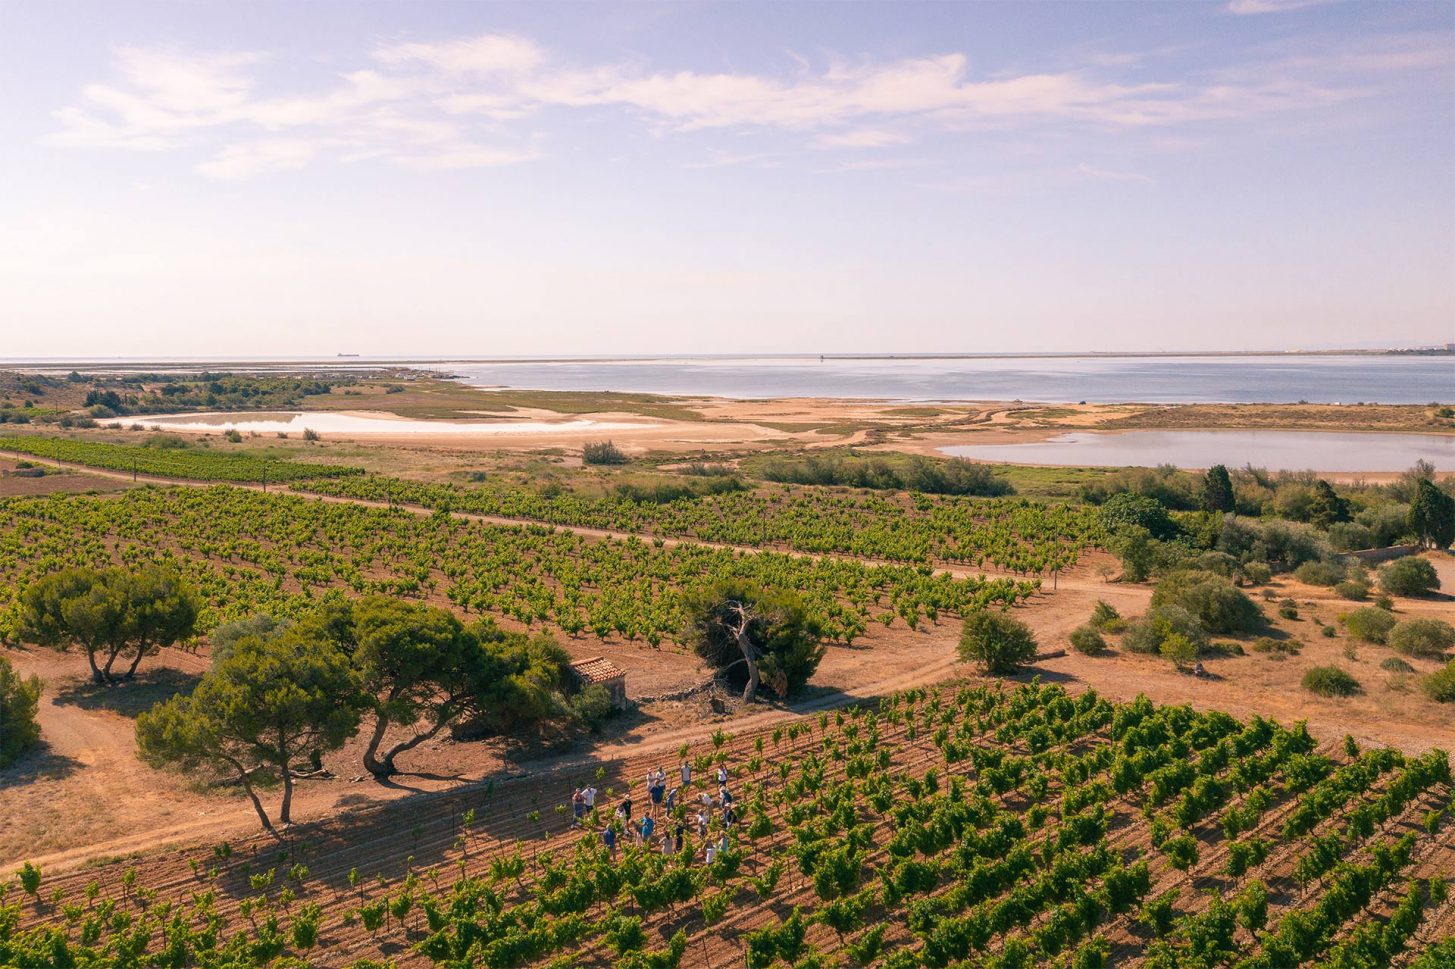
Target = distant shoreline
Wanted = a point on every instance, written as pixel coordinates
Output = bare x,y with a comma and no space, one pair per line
359,362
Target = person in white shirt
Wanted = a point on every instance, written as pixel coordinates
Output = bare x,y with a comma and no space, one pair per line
686,773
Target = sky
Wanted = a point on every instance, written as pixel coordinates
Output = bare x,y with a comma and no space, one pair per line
481,179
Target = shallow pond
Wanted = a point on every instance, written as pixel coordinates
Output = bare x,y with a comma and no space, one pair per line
1275,450
326,422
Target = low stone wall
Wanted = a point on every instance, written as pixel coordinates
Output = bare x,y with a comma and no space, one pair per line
1377,555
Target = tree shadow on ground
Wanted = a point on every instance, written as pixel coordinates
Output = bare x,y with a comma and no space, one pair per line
131,697
41,761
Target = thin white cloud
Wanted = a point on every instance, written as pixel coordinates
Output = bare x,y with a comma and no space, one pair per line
484,100
478,56
863,138
1252,7
254,158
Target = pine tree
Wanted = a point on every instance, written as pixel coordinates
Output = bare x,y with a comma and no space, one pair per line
1217,489
1432,516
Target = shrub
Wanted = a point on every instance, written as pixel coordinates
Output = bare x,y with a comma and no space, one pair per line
1422,637
19,701
1104,615
996,640
1394,664
232,435
1179,650
1257,573
1267,644
1085,639
1411,576
1370,624
1350,537
1319,573
1147,634
602,452
1330,681
1440,685
1288,609
309,434
1355,590
1213,599
592,707
1126,509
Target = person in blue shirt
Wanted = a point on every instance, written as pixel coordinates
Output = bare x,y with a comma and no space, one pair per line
608,838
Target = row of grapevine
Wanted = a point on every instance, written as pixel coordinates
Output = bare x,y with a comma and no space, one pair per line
1011,534
192,463
972,826
250,552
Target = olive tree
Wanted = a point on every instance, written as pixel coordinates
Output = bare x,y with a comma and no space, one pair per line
112,614
755,636
272,702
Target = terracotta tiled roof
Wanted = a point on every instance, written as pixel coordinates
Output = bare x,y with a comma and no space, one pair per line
596,669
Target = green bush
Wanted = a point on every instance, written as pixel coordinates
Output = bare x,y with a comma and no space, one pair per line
602,452
1422,637
1370,624
1267,644
1350,537
1104,616
1179,650
1393,664
996,640
1412,576
592,707
1126,509
1146,635
1213,599
1257,573
1440,685
1085,639
19,701
1355,590
1330,681
1319,573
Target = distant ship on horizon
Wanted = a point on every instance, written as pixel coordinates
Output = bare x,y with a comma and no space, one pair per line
348,354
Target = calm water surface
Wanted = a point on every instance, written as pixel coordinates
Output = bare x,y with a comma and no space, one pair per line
1276,450
1263,379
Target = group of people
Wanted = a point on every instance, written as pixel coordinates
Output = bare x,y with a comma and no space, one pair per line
664,800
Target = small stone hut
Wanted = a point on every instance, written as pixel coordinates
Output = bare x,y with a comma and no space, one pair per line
599,671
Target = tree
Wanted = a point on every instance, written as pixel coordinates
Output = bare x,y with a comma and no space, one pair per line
1217,489
420,668
998,641
19,703
1326,507
1432,516
755,635
111,614
272,702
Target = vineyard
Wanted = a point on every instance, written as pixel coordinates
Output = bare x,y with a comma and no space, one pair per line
183,462
1014,535
249,552
968,827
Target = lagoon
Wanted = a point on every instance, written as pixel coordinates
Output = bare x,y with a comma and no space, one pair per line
1274,450
328,422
